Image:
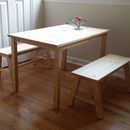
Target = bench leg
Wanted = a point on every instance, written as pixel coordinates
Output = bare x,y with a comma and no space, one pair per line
127,76
76,83
9,60
98,99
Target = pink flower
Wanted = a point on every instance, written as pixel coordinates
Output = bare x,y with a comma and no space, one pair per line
78,18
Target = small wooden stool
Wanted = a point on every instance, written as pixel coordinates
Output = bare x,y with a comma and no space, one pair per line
95,71
22,49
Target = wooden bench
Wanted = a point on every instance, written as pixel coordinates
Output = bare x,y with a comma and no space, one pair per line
95,71
22,48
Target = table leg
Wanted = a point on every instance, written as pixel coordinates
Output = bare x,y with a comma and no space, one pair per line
14,64
58,68
103,45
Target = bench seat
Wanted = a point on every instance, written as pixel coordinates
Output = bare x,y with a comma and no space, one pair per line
23,47
100,68
95,71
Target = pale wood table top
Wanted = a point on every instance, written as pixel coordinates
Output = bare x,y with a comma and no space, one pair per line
60,35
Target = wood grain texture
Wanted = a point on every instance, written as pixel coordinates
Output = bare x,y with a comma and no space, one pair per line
97,70
22,48
101,67
31,108
60,35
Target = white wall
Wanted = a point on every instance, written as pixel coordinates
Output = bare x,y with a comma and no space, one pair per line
113,15
37,13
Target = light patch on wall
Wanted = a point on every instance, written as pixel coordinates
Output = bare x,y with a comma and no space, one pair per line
111,2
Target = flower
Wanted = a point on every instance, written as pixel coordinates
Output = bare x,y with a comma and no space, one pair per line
78,18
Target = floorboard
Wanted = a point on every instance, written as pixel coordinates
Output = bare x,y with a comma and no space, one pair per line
31,107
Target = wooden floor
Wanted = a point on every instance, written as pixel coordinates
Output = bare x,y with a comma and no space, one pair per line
31,108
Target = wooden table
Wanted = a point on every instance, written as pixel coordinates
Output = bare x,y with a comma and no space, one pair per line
58,38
